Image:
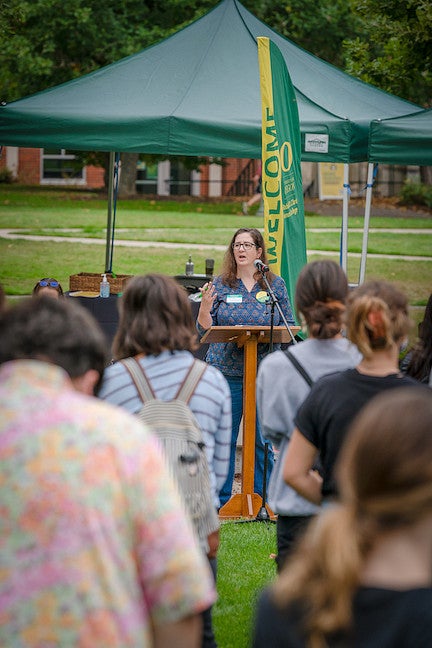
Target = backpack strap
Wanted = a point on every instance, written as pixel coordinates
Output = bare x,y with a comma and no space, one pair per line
191,381
145,389
302,371
139,379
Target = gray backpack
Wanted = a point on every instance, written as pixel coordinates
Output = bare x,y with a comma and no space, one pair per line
177,429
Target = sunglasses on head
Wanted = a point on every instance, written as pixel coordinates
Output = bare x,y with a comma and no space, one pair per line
44,283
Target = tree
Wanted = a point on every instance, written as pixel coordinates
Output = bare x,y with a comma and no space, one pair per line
319,26
48,42
396,56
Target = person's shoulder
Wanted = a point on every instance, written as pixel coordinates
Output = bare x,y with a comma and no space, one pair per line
109,420
272,360
335,378
278,281
409,381
215,380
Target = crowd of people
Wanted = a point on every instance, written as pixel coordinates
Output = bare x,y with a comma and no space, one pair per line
98,548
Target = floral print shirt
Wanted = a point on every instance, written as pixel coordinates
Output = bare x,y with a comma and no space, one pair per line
94,545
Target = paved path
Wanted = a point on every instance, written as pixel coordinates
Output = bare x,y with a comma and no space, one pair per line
14,234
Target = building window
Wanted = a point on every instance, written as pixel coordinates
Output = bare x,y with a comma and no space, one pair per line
60,166
147,177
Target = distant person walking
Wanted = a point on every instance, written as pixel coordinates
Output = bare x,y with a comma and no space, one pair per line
258,190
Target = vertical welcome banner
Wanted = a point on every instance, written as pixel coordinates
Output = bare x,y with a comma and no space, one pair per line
282,191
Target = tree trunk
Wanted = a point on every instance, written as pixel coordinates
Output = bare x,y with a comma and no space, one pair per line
128,175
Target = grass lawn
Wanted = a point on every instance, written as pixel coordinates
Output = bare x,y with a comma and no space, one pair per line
44,211
244,568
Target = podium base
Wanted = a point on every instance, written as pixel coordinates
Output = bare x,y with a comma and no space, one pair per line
244,505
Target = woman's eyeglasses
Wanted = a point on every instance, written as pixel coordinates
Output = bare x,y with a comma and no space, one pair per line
44,283
246,246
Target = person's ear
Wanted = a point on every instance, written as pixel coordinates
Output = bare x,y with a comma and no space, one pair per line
87,382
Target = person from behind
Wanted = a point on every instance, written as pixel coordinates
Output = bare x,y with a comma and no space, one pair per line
95,548
239,297
418,361
362,574
321,292
49,287
157,329
378,324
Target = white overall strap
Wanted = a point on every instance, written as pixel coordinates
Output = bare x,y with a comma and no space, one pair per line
191,381
139,378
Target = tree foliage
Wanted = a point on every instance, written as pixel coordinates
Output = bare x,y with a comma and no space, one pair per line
319,26
47,42
397,55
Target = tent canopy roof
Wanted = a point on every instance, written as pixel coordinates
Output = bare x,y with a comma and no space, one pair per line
197,93
402,140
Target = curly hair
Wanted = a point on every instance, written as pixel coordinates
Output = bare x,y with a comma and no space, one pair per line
420,364
229,267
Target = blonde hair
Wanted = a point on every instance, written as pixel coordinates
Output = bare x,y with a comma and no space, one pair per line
385,480
377,317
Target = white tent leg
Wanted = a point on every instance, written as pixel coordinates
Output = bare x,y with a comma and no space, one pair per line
108,256
366,223
344,237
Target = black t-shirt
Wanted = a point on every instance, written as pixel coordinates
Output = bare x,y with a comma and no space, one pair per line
330,407
382,619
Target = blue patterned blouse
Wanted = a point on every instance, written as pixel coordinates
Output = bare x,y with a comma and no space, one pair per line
235,306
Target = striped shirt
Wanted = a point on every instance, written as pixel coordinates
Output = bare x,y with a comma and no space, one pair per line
210,403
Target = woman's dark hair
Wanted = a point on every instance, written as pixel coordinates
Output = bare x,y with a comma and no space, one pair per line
155,315
321,291
420,364
229,267
53,330
46,282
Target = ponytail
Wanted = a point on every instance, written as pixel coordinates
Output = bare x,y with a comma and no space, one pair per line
377,317
323,574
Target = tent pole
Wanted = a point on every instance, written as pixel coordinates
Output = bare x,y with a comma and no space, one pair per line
110,209
366,222
344,237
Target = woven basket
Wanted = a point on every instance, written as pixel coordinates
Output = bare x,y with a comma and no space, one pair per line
91,282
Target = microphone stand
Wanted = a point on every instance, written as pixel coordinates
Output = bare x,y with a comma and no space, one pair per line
273,301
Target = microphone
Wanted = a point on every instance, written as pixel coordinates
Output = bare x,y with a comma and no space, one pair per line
259,265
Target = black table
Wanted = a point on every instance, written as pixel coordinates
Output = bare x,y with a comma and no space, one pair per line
105,311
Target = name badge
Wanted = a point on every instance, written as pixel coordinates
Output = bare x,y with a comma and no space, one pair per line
234,299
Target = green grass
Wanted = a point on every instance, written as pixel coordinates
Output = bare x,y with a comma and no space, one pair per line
244,568
46,211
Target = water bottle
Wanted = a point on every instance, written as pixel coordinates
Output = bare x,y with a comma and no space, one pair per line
104,290
189,267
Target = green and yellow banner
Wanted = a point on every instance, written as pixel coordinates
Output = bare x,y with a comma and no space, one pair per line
282,191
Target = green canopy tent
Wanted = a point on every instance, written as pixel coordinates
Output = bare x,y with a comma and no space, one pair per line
402,140
197,93
398,140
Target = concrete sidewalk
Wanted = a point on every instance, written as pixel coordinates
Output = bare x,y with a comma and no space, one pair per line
13,234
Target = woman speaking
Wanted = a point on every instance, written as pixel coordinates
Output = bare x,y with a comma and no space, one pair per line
238,296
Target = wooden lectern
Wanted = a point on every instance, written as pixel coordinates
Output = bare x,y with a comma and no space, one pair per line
247,503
